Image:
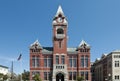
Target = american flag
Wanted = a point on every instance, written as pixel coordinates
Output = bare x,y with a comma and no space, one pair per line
19,57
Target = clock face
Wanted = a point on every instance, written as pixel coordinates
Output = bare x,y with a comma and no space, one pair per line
60,19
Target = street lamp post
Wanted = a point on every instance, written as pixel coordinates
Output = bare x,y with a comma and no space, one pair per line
109,77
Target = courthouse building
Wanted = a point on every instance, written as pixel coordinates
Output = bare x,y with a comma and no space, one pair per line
60,63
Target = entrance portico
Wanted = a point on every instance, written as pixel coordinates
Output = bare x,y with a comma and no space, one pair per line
60,77
60,72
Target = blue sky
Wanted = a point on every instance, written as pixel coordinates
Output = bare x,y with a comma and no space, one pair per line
24,21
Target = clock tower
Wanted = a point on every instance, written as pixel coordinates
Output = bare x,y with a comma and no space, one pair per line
60,32
60,46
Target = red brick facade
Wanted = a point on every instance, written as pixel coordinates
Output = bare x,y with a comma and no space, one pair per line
60,63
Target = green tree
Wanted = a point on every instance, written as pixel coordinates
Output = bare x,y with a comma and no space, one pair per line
5,77
25,75
1,76
79,78
19,77
37,78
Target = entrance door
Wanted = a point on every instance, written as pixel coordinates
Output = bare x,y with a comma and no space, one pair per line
59,77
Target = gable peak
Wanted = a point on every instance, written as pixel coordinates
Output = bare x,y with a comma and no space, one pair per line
36,44
83,43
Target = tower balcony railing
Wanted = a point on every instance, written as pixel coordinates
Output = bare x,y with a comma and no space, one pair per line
60,36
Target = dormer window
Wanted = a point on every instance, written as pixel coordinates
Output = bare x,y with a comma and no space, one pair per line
60,31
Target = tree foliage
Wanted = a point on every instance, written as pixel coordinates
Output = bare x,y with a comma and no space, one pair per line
25,75
80,78
3,77
37,78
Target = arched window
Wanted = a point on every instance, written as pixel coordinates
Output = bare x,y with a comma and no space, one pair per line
60,31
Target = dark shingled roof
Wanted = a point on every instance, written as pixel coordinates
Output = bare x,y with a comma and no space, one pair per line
49,50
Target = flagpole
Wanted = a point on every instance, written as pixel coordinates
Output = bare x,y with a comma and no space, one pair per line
19,59
21,68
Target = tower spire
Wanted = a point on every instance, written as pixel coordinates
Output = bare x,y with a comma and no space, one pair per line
59,11
59,17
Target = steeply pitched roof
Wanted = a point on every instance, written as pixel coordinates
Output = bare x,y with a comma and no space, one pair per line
36,44
60,14
83,44
59,11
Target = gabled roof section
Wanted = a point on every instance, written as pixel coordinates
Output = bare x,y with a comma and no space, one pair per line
98,59
83,44
59,11
35,45
103,55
